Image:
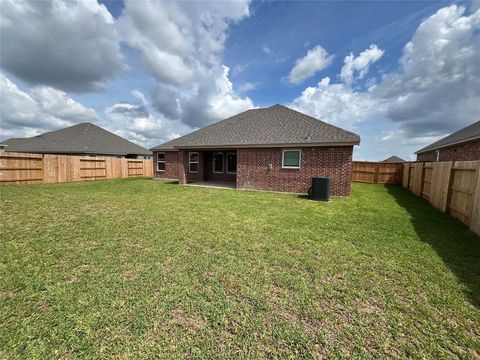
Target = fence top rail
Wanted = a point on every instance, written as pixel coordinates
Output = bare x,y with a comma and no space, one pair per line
377,162
10,155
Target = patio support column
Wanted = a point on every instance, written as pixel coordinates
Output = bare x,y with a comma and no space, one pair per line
182,167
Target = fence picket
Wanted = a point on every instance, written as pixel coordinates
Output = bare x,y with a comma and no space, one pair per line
21,168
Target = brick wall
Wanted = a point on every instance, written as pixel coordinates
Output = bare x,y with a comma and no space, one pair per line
427,156
171,166
253,169
183,167
461,152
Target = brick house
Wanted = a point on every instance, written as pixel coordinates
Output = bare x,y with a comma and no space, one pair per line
272,149
463,144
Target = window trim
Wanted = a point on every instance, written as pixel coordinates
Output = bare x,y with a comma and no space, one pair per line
299,159
213,162
229,172
193,162
161,161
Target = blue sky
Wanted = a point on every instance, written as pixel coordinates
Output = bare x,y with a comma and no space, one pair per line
401,74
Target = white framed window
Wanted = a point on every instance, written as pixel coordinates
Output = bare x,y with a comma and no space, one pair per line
231,163
291,159
193,162
218,163
161,161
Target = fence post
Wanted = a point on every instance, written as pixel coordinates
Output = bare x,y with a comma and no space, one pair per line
406,175
474,224
447,186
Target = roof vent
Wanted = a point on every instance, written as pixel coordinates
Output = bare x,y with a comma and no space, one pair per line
307,137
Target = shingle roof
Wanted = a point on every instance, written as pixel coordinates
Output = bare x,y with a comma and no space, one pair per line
273,126
84,138
393,159
469,133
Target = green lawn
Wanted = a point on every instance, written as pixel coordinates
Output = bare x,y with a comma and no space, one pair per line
139,268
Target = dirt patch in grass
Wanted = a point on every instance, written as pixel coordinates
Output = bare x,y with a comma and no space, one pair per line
194,323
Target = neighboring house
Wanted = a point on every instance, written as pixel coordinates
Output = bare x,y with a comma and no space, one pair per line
393,159
273,149
461,145
81,139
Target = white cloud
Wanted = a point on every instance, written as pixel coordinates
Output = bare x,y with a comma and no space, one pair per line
71,46
438,88
338,104
316,59
359,65
266,49
213,99
184,55
434,92
180,43
138,123
38,110
238,69
245,87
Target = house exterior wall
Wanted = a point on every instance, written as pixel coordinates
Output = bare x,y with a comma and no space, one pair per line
461,152
171,166
427,156
184,175
254,172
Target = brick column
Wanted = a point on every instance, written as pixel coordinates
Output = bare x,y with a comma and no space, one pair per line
182,167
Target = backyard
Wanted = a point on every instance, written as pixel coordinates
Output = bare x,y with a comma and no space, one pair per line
145,268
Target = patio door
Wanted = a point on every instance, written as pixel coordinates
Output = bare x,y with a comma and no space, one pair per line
231,163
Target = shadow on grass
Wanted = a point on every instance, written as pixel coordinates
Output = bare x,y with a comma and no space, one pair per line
458,247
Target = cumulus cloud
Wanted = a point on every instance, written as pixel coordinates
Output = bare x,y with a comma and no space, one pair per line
434,92
338,104
138,122
184,55
38,110
438,87
359,65
316,59
70,46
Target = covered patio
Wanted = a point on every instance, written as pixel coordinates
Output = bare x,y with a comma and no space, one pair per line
212,168
214,184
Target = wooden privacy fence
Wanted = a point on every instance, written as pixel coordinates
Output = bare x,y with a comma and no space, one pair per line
452,187
21,168
377,172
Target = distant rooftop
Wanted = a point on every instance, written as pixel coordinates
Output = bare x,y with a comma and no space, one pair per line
273,126
468,133
393,159
84,138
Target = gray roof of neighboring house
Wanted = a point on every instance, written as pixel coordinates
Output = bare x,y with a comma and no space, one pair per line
469,133
273,126
393,159
84,138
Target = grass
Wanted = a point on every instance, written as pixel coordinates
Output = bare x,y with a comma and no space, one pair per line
138,268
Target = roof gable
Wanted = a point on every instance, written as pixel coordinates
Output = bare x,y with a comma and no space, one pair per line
468,133
84,138
393,159
273,126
